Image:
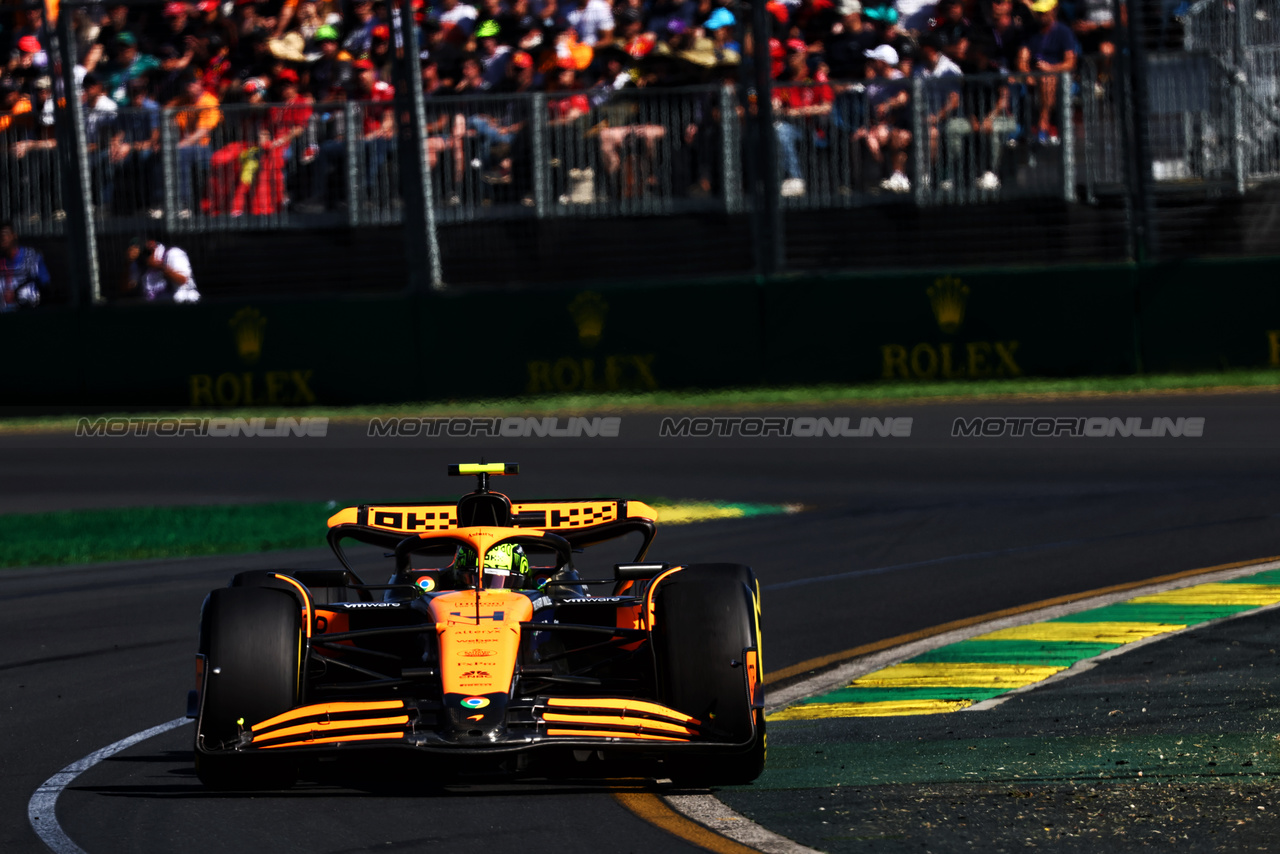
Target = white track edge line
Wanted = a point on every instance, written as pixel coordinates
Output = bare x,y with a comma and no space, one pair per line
846,673
42,808
713,814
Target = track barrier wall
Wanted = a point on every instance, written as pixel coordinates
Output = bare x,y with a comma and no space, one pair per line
951,325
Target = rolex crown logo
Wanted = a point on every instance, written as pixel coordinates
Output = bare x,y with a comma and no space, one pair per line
948,295
588,310
247,327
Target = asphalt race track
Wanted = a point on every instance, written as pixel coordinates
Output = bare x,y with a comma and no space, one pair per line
898,534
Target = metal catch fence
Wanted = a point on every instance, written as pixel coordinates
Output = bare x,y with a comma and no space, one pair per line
952,140
30,178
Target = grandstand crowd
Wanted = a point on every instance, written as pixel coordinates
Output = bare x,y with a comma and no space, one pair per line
294,54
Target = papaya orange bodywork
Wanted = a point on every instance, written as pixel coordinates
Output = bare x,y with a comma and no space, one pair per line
479,635
607,734
364,736
326,709
650,617
633,724
323,727
753,673
623,705
327,621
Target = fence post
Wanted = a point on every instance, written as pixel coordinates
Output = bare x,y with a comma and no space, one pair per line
352,131
169,168
1134,114
77,191
541,157
919,143
1237,83
1068,137
422,247
769,233
730,162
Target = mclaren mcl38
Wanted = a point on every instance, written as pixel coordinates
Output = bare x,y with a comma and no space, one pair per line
484,648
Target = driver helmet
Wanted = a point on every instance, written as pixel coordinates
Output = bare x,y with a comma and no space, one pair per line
505,565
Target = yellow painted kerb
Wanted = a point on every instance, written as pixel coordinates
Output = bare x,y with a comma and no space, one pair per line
946,674
880,709
1085,632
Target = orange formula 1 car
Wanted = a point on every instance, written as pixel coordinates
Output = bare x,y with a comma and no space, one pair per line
484,649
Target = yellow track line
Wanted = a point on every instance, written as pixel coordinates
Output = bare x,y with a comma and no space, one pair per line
899,640
652,809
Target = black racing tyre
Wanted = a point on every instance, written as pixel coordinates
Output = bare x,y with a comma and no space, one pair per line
252,641
704,618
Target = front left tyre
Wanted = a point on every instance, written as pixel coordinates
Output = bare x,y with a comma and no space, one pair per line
251,638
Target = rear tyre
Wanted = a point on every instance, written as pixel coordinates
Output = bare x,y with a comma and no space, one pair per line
252,641
705,617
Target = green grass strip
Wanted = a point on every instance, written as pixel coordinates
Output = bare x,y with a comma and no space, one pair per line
741,397
1154,612
880,695
138,533
1058,653
1271,576
141,533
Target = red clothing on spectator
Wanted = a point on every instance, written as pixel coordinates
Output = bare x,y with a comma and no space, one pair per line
794,97
383,93
295,113
564,107
242,173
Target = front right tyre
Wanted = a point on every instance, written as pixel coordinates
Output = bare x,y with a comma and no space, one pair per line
705,622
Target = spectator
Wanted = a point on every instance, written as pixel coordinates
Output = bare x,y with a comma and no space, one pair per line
380,51
888,136
493,54
34,139
943,116
952,31
1050,51
157,272
991,115
114,23
359,40
797,106
179,38
135,140
23,275
197,115
32,54
1001,39
592,20
217,74
848,43
472,82
247,174
459,14
99,122
330,73
128,65
379,128
307,22
1095,31
15,107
